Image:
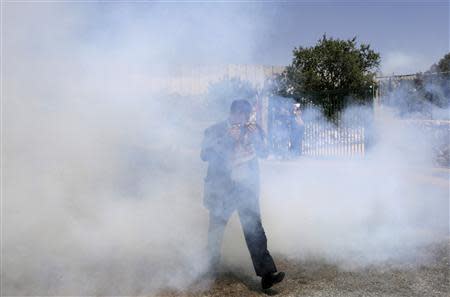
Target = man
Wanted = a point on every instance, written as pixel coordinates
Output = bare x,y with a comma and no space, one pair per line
297,131
232,148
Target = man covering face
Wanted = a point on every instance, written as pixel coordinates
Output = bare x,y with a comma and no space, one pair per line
232,148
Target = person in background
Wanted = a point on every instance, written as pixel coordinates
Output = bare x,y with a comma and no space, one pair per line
297,131
283,132
232,148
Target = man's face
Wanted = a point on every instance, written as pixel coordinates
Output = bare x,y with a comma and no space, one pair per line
239,117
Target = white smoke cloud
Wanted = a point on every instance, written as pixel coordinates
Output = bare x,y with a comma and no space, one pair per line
358,212
397,62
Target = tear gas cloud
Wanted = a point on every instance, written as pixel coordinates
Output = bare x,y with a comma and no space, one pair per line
102,180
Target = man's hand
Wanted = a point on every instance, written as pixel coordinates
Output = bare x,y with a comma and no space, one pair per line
251,127
235,132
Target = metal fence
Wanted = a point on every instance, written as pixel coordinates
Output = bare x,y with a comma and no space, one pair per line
320,141
321,137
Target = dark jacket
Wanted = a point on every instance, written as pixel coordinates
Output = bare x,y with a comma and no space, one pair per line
221,191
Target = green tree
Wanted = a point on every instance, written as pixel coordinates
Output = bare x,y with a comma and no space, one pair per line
330,74
433,85
427,95
443,66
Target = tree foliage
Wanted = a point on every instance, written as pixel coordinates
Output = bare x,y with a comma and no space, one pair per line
428,95
434,85
443,66
330,74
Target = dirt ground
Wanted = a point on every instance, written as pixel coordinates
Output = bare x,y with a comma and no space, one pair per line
317,278
321,278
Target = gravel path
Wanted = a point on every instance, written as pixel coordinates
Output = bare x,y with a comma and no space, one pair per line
316,278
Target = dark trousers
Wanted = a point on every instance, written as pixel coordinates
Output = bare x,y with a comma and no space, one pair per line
255,238
297,140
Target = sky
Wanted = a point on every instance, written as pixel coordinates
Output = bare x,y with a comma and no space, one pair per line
410,35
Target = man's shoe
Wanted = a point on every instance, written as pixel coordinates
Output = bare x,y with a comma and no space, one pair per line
271,279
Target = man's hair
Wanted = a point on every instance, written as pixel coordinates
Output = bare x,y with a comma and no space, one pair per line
241,106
